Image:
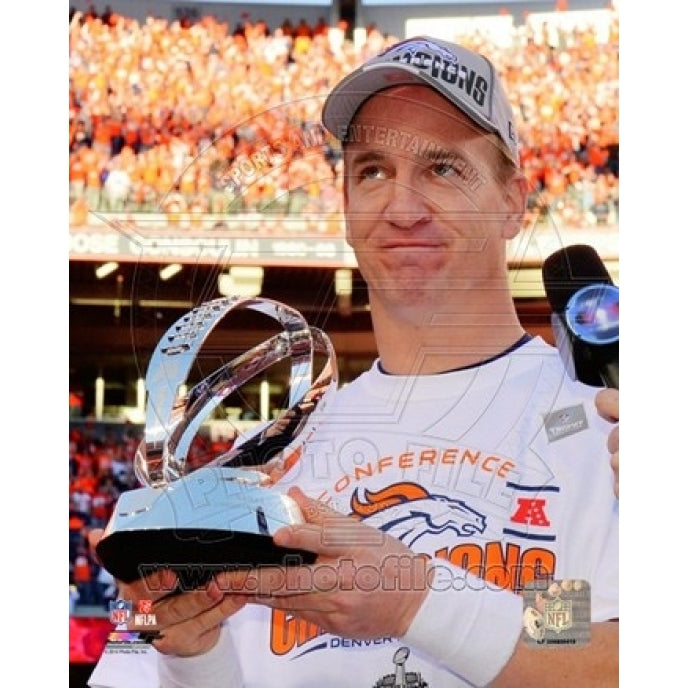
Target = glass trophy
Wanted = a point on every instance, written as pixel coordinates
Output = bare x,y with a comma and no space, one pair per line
222,515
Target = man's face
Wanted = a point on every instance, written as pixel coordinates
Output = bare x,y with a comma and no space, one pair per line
427,215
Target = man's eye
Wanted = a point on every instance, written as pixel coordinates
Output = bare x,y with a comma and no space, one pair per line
371,172
444,169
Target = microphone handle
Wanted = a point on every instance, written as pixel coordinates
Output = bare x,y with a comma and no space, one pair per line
610,375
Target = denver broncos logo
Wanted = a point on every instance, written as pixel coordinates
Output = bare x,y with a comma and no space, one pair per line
415,513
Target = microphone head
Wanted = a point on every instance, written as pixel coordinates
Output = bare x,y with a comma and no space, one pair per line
585,314
570,269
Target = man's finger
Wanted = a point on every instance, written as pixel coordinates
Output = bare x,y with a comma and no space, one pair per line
607,403
615,468
613,441
156,586
93,536
179,608
199,633
313,510
338,533
335,535
299,603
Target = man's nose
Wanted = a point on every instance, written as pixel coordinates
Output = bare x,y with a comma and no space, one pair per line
405,206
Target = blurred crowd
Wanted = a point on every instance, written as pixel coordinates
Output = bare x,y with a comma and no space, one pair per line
200,117
101,468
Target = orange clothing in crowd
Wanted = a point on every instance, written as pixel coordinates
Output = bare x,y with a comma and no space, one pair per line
76,523
77,171
85,483
82,569
102,132
227,93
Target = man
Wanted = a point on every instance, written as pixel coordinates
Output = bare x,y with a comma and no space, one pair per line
462,468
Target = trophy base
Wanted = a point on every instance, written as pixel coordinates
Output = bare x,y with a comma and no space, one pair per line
214,519
194,554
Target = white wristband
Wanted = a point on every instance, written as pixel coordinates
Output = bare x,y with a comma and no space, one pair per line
466,625
217,668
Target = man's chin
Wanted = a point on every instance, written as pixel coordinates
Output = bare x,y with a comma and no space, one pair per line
410,292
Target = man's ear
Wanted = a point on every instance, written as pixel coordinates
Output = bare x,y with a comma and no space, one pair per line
516,196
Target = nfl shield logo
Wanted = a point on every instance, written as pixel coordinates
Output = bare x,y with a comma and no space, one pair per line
120,611
558,615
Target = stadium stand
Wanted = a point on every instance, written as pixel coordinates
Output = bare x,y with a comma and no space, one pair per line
178,117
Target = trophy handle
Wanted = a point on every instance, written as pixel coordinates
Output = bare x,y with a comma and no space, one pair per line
264,443
172,421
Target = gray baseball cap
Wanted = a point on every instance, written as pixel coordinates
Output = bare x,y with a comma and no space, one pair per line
465,78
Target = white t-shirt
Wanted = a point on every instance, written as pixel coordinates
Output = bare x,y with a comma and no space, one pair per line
501,469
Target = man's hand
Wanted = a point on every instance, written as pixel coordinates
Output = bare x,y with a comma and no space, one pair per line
607,402
189,623
364,584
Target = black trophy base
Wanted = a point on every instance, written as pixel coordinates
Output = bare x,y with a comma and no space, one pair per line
194,554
